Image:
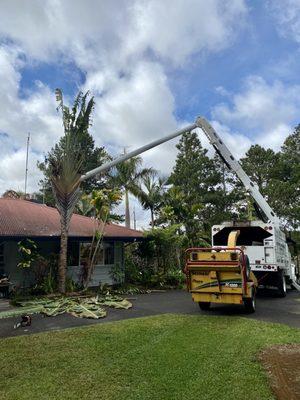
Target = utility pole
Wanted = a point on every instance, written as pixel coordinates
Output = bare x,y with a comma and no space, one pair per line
134,218
26,168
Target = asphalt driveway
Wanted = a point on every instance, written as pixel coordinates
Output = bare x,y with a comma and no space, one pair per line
269,308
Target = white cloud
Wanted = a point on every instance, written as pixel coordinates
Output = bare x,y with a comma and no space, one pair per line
12,167
176,31
112,32
124,48
114,42
276,137
69,28
287,17
268,111
138,109
35,114
237,143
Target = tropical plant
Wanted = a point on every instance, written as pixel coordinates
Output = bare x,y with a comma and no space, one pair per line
150,193
101,202
84,206
128,177
28,253
157,260
117,273
91,157
64,166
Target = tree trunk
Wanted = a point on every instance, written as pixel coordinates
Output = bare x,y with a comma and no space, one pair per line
62,267
152,218
127,212
91,262
178,257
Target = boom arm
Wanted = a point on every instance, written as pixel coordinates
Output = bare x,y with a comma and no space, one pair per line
136,152
235,166
220,148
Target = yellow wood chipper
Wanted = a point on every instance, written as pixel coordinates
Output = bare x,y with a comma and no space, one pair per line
220,275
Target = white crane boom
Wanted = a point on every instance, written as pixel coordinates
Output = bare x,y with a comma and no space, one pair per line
221,149
235,166
136,152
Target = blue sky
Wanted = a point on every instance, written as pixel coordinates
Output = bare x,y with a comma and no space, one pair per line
152,66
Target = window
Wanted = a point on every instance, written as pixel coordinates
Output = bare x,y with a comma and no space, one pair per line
104,256
109,253
99,257
73,253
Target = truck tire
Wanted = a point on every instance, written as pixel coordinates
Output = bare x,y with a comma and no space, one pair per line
281,284
250,303
204,305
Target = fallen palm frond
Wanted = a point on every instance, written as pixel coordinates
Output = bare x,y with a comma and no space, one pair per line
85,310
115,302
16,312
56,307
81,307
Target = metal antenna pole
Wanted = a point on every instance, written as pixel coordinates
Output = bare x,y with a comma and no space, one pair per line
134,218
26,168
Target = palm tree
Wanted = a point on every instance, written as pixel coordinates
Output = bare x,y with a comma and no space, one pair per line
150,193
64,169
128,177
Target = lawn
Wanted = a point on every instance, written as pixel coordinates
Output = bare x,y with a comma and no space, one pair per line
163,357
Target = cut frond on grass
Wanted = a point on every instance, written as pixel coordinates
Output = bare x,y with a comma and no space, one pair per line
81,307
16,312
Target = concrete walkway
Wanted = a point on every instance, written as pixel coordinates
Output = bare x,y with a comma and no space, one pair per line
269,308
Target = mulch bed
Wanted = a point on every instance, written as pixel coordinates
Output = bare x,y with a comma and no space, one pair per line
282,364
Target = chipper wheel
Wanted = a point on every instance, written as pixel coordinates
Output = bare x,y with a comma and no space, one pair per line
204,305
250,303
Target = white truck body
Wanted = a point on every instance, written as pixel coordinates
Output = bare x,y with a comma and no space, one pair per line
265,245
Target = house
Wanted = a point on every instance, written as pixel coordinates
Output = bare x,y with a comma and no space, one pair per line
20,219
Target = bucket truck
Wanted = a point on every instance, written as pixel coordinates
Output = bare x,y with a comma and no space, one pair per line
264,257
263,241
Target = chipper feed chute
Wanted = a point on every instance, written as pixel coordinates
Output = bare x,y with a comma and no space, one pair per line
220,275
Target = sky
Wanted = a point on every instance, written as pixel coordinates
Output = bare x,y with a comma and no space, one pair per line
153,67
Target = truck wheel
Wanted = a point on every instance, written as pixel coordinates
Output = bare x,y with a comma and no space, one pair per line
204,305
281,285
250,303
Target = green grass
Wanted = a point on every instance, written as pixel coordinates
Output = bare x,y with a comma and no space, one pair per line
163,357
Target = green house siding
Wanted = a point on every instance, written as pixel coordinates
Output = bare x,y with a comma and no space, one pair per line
102,272
24,277
11,258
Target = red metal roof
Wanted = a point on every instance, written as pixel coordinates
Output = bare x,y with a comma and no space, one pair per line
26,218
